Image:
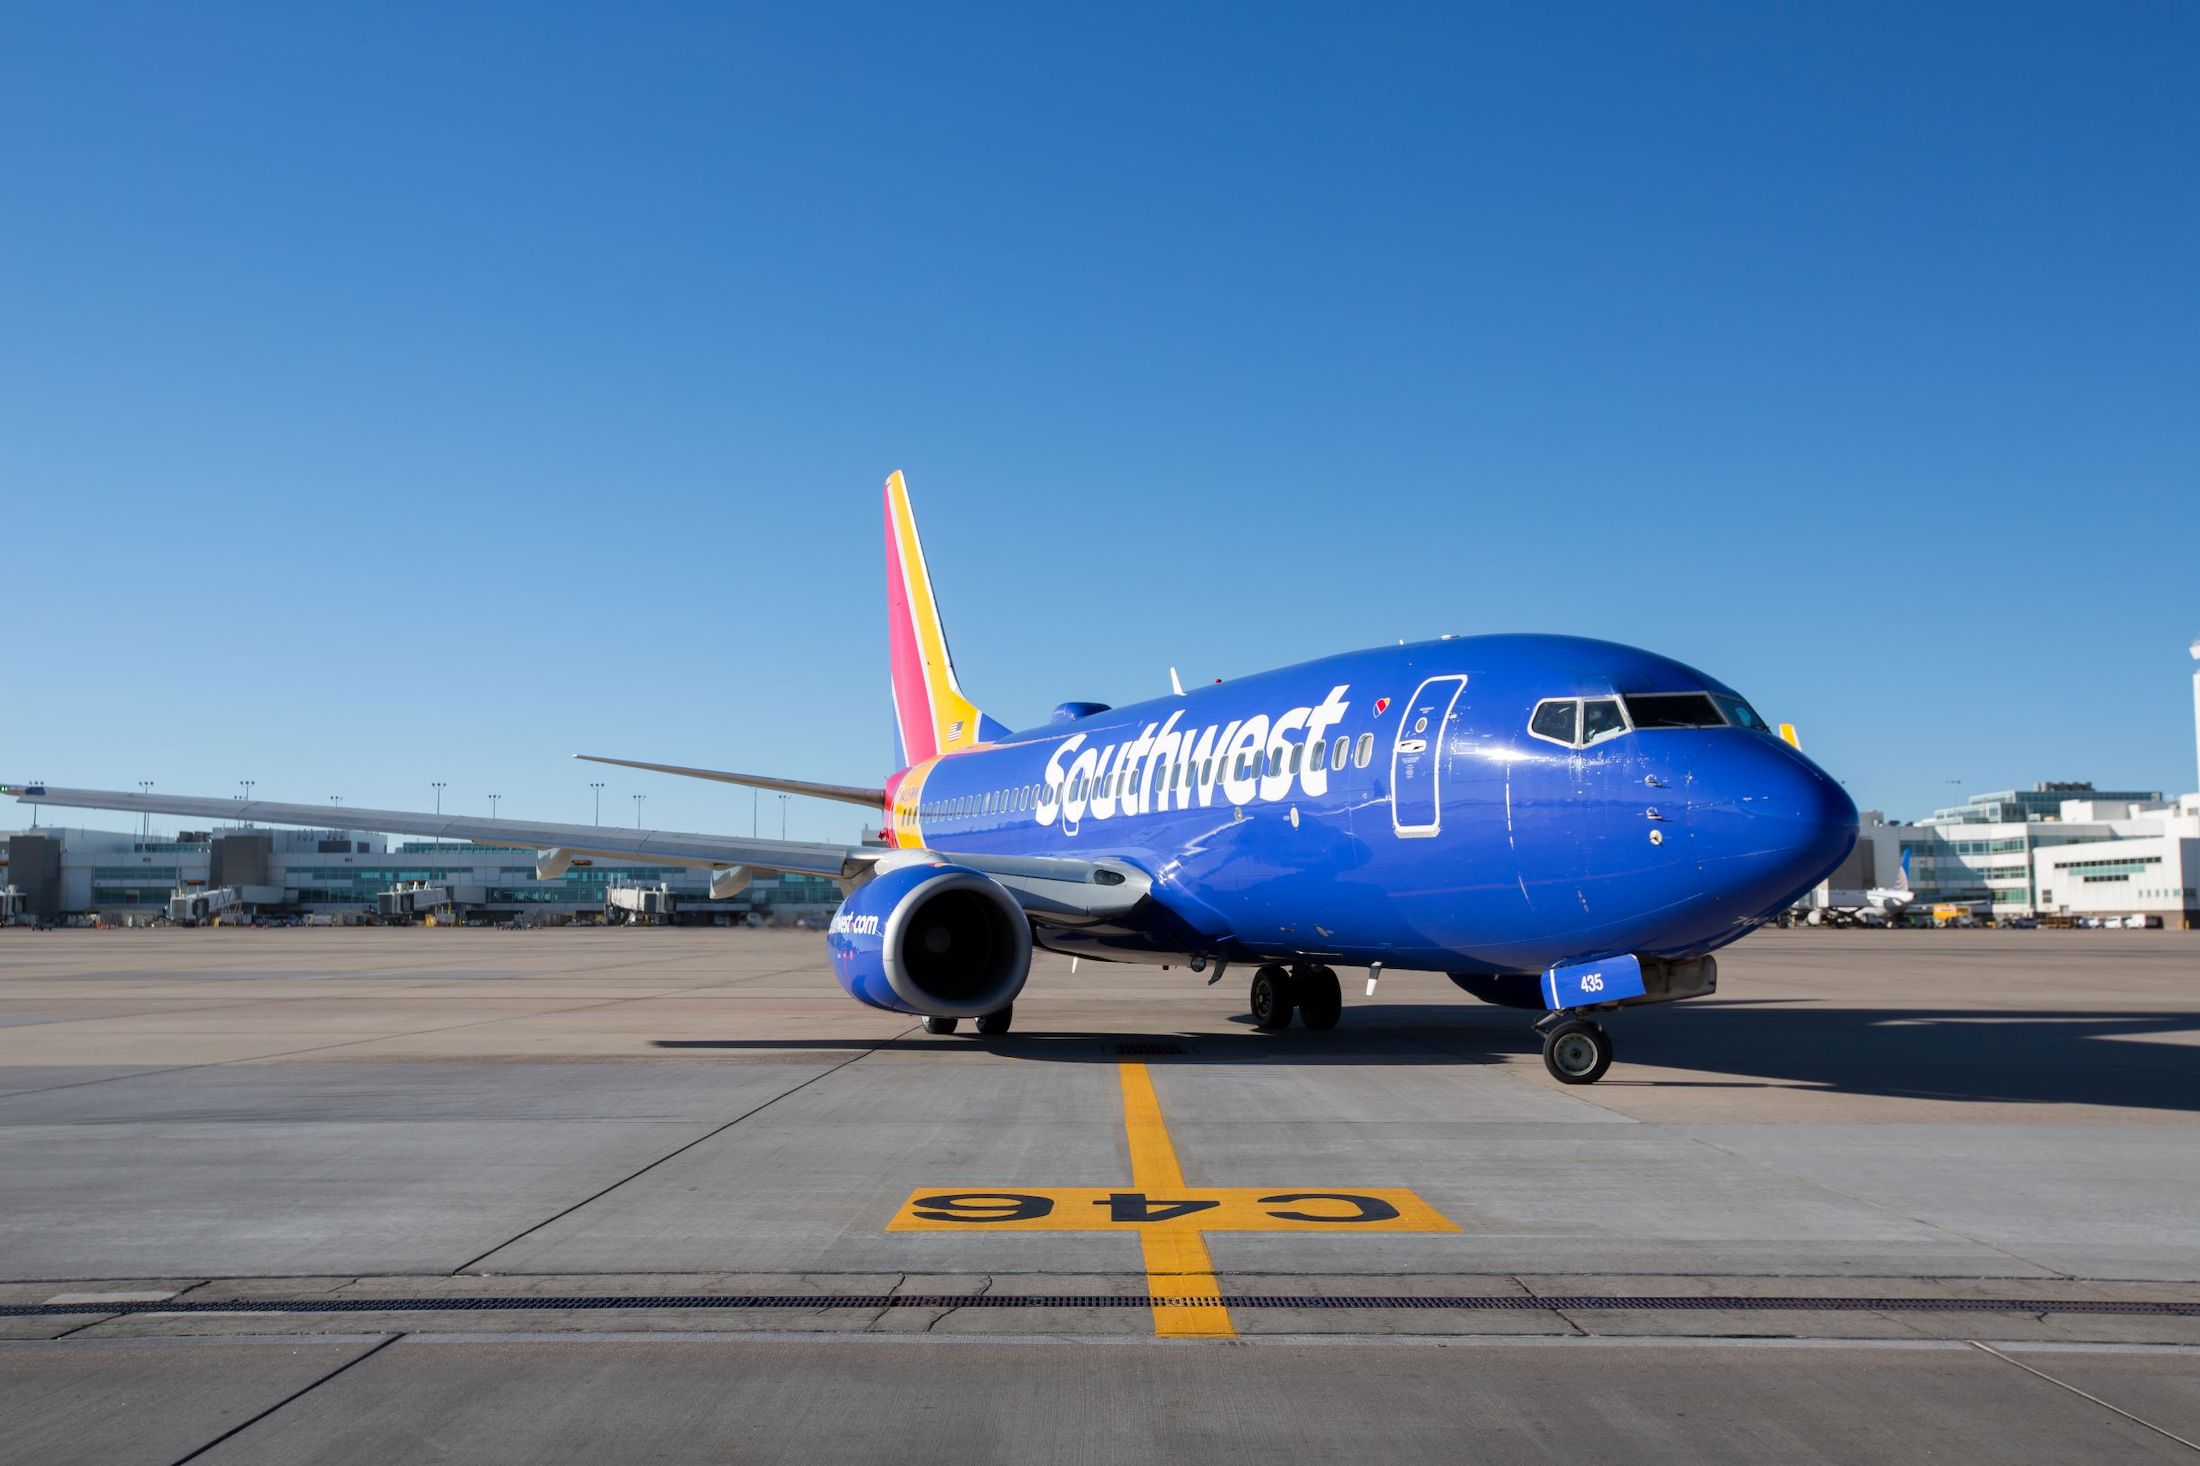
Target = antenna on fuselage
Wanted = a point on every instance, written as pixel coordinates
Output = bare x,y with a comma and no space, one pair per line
1176,684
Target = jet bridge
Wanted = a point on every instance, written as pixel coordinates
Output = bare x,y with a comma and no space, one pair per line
639,905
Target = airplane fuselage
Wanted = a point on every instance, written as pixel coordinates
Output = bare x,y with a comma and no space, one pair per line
1394,806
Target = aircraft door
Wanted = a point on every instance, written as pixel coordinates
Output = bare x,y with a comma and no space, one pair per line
1418,754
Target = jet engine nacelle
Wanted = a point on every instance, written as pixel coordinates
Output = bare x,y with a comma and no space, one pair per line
941,941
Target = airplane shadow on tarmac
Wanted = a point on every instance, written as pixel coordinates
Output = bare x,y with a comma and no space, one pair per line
2136,1060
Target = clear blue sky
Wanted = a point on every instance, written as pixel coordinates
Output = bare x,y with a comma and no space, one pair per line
396,392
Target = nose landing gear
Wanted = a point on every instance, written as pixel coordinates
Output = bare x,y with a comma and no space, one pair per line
1575,1050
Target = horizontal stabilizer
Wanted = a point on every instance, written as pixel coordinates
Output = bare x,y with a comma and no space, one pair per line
874,799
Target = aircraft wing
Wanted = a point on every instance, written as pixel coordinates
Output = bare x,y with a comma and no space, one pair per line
1052,889
668,847
873,799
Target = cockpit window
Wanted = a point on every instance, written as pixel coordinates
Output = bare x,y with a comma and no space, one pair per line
1674,710
1742,715
1600,719
1577,722
1555,720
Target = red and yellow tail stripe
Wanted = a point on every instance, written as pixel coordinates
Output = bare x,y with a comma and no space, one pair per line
904,797
931,715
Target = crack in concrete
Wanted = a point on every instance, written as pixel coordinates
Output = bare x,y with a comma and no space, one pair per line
985,1286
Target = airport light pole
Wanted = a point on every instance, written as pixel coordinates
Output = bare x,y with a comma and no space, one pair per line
493,805
2195,650
782,816
246,784
145,786
597,785
638,809
437,786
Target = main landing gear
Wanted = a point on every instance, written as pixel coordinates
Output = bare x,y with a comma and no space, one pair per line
1575,1050
1311,990
988,1023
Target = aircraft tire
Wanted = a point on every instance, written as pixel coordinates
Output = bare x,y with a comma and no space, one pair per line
1577,1051
1321,1000
941,1025
1271,999
998,1020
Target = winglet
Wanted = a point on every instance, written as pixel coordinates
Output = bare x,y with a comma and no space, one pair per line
1787,735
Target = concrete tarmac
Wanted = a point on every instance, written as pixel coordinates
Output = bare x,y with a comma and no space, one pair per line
396,1195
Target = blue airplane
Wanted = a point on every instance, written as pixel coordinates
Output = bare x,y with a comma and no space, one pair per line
1553,822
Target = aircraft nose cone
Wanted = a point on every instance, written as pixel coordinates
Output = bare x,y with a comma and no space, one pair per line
1770,826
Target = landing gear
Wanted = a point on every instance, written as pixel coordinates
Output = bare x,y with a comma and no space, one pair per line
998,1020
941,1025
1313,991
1321,1001
1576,1051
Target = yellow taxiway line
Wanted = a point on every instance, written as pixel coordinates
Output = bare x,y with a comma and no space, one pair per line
1180,1276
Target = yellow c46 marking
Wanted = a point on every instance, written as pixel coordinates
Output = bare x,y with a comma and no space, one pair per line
1170,1218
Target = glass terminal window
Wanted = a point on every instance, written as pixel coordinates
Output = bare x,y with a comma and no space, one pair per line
1674,710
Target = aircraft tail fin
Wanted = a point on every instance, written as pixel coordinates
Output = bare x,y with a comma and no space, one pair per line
931,714
1788,735
1902,876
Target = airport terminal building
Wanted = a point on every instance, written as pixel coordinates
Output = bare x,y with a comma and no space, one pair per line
2052,851
58,874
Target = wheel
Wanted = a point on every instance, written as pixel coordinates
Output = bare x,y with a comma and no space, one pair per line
997,1022
1321,1001
1271,999
1577,1052
941,1025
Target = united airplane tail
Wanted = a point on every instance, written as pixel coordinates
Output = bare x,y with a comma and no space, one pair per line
931,714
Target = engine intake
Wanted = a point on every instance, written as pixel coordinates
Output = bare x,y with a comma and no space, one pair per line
940,941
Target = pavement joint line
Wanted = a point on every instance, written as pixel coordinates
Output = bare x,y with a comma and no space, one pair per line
679,1150
1172,1297
2084,1395
359,1358
416,1339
